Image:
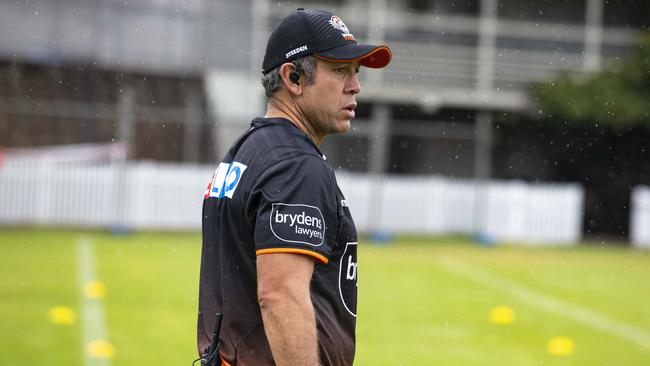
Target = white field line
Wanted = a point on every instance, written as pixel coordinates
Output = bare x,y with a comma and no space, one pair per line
92,311
551,304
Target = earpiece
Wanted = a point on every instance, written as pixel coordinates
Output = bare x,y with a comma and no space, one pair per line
294,76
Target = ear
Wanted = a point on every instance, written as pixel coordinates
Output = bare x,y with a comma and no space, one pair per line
293,87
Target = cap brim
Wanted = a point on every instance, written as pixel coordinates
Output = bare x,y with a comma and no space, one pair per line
367,55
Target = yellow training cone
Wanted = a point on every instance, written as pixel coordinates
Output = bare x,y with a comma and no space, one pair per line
560,346
62,315
502,315
94,290
100,349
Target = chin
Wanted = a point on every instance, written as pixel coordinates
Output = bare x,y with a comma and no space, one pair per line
343,126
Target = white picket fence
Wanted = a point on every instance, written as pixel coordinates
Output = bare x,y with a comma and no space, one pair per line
502,211
142,195
168,196
640,217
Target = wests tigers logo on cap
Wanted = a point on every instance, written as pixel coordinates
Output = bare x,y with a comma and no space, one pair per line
337,23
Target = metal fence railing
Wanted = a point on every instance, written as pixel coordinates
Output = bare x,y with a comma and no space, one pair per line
149,195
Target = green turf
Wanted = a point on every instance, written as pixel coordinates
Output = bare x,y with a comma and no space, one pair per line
413,310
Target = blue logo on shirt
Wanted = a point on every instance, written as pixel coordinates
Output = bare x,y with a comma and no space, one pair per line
225,179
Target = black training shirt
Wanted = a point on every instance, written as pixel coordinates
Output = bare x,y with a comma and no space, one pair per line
274,192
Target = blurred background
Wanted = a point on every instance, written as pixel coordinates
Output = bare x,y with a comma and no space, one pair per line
520,126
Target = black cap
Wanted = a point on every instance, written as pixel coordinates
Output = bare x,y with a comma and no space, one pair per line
322,34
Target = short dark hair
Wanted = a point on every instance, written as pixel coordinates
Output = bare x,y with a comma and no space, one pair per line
306,65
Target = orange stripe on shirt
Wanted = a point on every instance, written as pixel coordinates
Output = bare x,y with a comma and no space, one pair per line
293,250
223,362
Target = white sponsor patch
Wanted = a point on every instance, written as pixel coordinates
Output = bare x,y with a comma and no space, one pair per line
225,179
297,223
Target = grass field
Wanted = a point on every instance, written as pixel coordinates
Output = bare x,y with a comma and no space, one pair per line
422,301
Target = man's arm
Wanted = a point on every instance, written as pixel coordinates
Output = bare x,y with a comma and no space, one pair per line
289,322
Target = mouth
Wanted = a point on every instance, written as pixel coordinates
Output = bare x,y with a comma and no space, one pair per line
350,109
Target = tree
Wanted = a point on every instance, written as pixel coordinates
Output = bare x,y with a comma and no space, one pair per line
618,97
592,129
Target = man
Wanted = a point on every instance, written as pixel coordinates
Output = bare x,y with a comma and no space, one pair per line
279,246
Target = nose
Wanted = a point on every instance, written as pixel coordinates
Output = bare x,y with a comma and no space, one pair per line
352,86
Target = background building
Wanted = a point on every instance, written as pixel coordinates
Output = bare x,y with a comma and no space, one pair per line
178,80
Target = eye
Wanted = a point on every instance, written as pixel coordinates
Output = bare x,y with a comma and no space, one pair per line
340,70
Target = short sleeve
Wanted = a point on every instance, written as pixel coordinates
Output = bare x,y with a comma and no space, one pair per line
295,208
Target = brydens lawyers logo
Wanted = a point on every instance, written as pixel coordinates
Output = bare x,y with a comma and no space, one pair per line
348,278
225,180
337,23
297,223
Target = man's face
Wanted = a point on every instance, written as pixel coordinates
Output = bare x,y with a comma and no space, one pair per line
329,102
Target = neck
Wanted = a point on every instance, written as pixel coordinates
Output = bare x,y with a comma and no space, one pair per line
280,108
